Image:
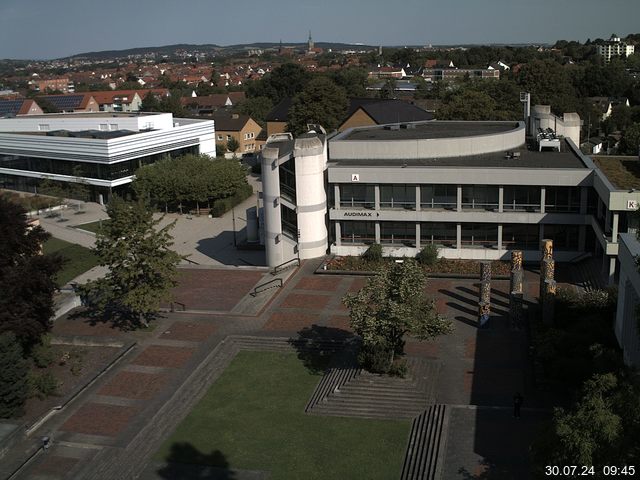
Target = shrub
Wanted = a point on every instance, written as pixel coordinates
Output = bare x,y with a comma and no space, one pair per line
373,253
42,354
43,385
14,387
376,357
223,205
428,255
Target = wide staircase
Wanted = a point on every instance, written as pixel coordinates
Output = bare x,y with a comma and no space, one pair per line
426,444
587,274
352,392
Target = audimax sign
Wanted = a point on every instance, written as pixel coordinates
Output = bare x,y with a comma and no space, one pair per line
361,214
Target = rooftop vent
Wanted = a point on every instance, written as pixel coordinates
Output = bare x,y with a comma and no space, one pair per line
392,127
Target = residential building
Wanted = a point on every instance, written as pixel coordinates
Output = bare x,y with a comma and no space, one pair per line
101,150
614,47
241,127
208,104
435,74
72,102
62,84
477,190
118,100
18,107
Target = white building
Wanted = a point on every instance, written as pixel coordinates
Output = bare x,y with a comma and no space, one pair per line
614,47
102,150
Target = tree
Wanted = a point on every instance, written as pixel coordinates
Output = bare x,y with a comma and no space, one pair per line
257,108
142,266
469,105
549,84
233,145
630,143
391,305
150,103
26,277
14,386
321,102
287,80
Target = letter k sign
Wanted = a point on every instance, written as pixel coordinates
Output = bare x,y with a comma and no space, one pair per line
355,177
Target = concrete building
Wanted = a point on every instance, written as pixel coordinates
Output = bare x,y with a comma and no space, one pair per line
477,190
614,47
626,327
100,150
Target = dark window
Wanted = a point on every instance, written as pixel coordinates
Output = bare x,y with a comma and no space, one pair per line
398,196
288,180
357,196
397,233
439,196
480,197
358,232
522,198
562,199
565,237
520,236
289,222
479,235
443,234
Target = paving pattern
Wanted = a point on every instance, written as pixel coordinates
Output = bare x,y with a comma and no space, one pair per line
473,371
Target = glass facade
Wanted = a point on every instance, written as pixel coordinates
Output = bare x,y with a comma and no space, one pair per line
358,233
480,197
565,237
288,180
289,222
518,236
398,233
521,198
357,196
562,199
439,196
442,234
479,235
398,196
113,171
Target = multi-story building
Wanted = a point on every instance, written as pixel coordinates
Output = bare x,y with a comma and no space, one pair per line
63,85
435,74
614,47
100,150
242,128
477,190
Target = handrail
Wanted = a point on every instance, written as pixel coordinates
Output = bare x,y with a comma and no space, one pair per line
274,280
284,265
172,308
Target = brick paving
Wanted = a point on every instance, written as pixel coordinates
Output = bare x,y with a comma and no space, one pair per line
55,465
99,419
189,331
340,321
326,284
214,289
313,302
291,322
161,356
134,385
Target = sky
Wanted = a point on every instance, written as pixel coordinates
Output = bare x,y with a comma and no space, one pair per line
45,29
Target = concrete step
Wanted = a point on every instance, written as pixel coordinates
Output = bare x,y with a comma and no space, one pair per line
374,391
364,401
426,442
363,412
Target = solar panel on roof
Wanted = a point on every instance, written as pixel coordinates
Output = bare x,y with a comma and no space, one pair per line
66,102
10,107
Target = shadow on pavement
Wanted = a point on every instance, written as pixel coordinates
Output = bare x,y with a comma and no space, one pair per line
316,345
185,462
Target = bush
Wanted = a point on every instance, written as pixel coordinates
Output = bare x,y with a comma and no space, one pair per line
223,205
428,255
42,354
373,253
14,387
43,385
376,358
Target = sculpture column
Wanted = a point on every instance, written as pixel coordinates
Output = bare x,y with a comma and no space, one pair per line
516,293
484,302
547,281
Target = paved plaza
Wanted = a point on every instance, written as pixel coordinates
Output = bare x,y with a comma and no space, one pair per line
119,422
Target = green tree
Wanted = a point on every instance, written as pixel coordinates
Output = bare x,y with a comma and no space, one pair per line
549,84
630,143
393,304
257,108
150,103
233,145
388,90
287,80
321,102
142,266
353,80
26,277
14,386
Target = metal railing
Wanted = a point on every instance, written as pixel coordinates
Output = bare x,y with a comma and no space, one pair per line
273,283
285,265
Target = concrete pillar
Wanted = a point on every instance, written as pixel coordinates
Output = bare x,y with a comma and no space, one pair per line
418,200
500,237
584,193
377,232
500,199
543,195
614,228
458,236
338,233
336,195
418,235
612,271
459,198
376,197
271,204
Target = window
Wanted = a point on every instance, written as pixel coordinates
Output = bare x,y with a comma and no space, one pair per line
479,235
398,233
358,232
565,237
520,237
357,196
220,137
398,196
562,199
522,198
480,197
113,127
228,137
439,196
43,127
288,180
289,222
443,234
104,127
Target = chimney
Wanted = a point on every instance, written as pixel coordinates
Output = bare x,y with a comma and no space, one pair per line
235,116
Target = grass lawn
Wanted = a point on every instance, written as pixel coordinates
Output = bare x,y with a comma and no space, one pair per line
623,172
79,259
91,227
253,418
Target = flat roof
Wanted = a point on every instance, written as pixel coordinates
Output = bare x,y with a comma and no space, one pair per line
429,129
92,115
97,134
527,159
623,172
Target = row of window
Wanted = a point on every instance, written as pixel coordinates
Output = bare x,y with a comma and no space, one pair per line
474,197
473,235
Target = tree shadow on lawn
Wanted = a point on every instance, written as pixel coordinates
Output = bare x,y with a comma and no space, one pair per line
319,346
185,462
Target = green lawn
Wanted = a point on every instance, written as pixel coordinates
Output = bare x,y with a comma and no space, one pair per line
253,418
79,259
91,227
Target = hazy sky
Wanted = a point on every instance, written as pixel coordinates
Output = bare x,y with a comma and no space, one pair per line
57,28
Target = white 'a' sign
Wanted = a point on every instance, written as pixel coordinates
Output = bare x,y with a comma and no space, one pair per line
355,177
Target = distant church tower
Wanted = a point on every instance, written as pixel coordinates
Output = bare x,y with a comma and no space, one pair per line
310,43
